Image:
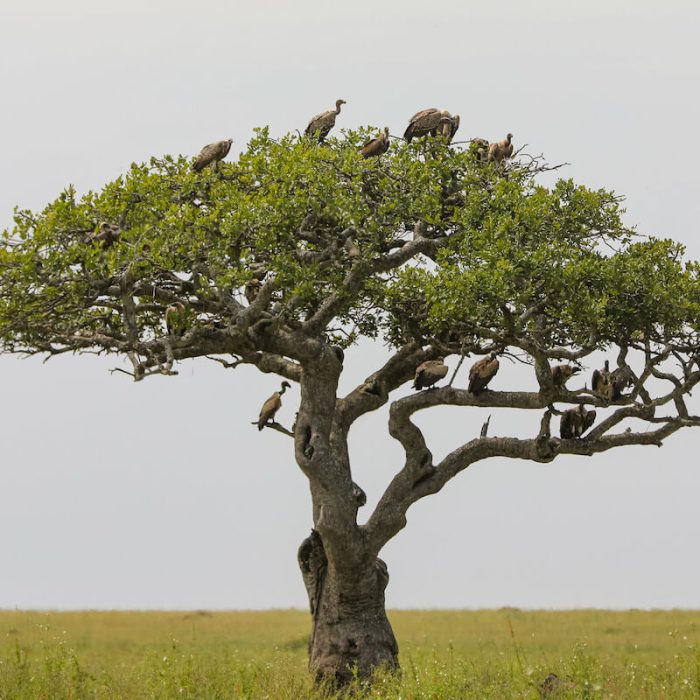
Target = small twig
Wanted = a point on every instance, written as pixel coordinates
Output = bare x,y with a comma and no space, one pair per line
119,369
276,426
485,427
227,365
459,364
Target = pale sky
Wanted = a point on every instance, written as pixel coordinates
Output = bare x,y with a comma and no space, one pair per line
161,494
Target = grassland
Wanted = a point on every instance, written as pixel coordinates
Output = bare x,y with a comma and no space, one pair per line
458,654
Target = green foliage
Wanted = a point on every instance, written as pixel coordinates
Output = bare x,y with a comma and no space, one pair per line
306,214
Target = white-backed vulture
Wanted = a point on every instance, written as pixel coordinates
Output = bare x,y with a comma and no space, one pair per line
480,148
600,382
575,421
105,233
447,128
212,153
561,373
322,123
620,379
377,146
175,319
500,150
482,372
271,406
252,289
429,372
424,122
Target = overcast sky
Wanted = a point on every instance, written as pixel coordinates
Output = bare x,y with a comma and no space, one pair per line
161,494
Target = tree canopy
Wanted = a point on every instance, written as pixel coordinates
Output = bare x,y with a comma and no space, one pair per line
423,244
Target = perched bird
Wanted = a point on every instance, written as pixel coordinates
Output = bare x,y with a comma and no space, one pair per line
424,122
575,421
561,373
271,406
480,148
175,319
620,379
322,123
482,372
212,153
377,146
600,382
500,150
252,289
105,233
447,128
429,373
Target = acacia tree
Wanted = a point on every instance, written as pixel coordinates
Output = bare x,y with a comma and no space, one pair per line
425,249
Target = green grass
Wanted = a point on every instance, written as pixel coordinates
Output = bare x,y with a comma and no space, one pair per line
459,654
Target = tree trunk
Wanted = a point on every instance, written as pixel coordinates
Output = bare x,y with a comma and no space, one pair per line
351,635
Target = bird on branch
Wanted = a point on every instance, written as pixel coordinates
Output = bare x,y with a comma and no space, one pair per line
601,384
271,406
175,319
482,372
428,121
212,153
322,123
376,146
501,150
429,372
575,421
561,373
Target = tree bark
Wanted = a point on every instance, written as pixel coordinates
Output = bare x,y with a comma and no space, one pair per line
351,635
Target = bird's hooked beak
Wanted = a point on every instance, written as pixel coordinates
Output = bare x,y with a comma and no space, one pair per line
575,370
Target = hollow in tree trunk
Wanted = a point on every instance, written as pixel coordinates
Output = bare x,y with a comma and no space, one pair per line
350,631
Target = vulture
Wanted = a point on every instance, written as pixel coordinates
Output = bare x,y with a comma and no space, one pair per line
175,319
252,289
271,406
482,372
322,123
600,382
429,372
501,150
105,233
212,153
620,379
426,122
480,148
575,421
448,126
377,146
561,374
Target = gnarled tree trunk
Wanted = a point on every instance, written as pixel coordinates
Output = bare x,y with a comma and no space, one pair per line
350,631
